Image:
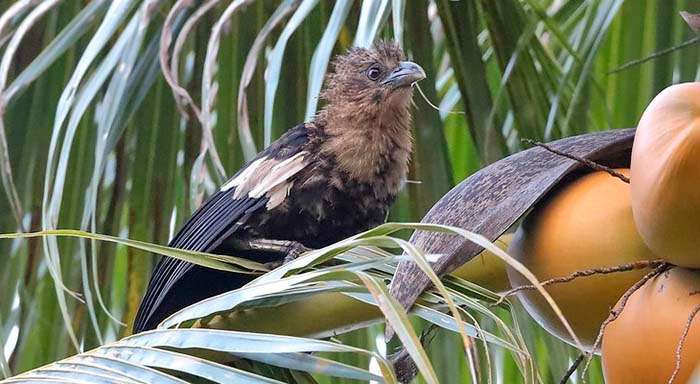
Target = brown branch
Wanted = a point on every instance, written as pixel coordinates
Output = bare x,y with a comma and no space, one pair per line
679,347
615,313
586,162
584,273
655,55
572,369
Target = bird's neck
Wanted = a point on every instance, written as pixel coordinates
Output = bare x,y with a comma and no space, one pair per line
369,147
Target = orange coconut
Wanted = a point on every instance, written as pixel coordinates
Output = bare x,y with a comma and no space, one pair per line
665,173
640,346
486,269
585,224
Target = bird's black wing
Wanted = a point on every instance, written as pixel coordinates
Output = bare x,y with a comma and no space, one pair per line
261,184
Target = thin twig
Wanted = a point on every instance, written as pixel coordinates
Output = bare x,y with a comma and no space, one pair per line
431,104
584,273
572,368
586,162
655,55
679,347
615,313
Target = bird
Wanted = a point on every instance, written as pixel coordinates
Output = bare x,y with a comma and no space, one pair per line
320,182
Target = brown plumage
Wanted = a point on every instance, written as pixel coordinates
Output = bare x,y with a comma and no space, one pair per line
320,182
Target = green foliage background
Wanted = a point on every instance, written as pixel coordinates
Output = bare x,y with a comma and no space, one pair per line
93,138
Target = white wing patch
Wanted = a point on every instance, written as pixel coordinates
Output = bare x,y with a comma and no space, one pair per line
267,177
278,194
244,176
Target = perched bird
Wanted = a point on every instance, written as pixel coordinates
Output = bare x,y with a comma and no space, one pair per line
319,183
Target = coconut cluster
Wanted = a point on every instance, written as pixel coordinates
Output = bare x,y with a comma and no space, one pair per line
650,330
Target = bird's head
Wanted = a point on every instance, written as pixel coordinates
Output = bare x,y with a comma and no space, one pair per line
372,80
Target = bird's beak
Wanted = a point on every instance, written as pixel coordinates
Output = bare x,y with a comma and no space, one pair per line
405,74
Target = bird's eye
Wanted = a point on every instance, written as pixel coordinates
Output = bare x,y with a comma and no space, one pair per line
373,73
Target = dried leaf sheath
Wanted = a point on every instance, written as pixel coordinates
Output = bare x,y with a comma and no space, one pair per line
494,198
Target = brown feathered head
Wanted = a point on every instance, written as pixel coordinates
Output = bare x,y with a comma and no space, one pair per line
372,79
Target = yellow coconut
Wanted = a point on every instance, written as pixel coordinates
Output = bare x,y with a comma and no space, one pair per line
486,269
665,173
586,224
640,346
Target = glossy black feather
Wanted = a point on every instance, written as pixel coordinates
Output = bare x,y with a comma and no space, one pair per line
175,283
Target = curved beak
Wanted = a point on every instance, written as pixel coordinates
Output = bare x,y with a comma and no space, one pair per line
405,74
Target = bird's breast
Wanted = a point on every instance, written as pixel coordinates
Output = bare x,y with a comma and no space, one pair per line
325,206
